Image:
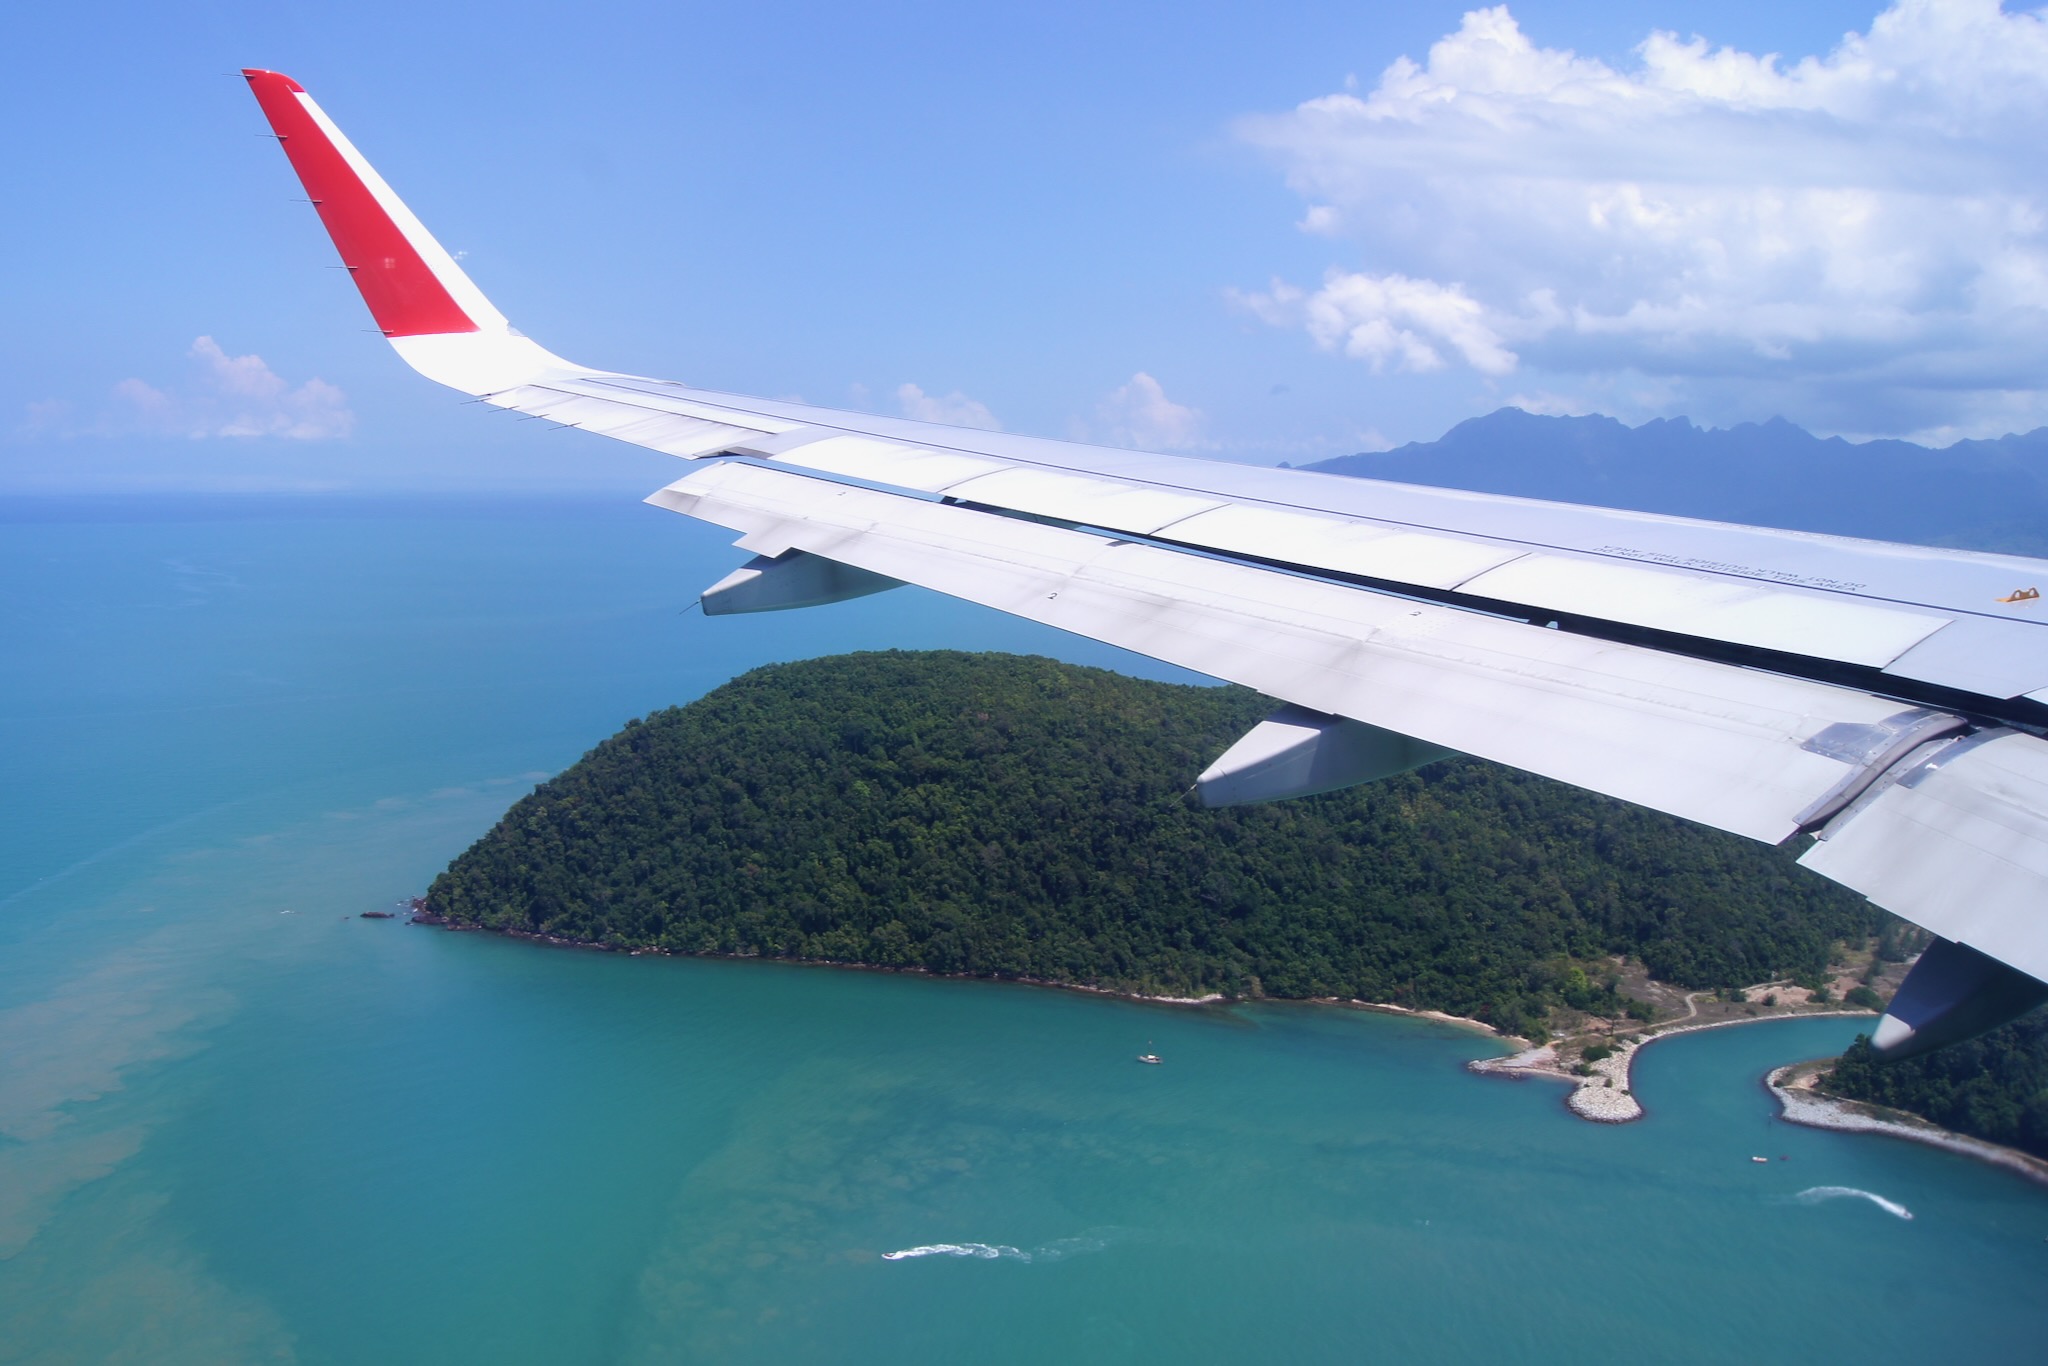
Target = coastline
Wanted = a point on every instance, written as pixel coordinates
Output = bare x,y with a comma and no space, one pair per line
1800,1103
1606,1094
420,916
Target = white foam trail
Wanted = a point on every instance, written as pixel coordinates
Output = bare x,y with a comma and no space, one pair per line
1057,1250
986,1251
1816,1194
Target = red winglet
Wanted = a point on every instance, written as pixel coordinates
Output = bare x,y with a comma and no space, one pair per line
405,296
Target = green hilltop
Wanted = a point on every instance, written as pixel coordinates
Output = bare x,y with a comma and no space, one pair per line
1002,816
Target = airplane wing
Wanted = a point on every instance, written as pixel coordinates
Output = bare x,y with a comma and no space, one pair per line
1889,701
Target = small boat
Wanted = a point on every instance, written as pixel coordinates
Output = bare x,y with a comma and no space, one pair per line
1152,1058
1759,1159
379,915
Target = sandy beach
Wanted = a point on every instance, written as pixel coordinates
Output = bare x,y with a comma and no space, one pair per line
1388,1008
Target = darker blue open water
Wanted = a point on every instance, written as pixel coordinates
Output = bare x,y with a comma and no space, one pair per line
239,1123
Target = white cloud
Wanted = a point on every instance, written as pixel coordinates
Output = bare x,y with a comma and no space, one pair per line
1140,414
954,409
1389,318
231,396
1864,231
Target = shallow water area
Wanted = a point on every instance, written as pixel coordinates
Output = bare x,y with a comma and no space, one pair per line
239,1122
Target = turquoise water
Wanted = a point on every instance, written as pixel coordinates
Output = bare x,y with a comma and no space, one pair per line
238,1123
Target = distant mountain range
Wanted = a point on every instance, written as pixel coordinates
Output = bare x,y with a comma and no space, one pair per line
1984,495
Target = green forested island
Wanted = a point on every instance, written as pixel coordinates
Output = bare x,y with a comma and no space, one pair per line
1994,1087
1018,817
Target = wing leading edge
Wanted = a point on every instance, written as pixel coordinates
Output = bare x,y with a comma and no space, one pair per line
1889,700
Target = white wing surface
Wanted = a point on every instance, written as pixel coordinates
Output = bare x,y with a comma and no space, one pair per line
1888,699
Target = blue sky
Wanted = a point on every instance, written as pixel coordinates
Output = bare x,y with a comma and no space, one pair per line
1236,230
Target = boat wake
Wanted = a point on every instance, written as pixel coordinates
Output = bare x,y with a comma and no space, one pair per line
1817,1194
1058,1250
988,1252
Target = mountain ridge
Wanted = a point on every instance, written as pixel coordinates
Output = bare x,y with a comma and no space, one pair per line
1980,494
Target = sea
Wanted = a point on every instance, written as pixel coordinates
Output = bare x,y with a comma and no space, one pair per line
241,1123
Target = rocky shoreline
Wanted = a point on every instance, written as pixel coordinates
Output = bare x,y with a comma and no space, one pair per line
1801,1103
1604,1093
1602,1096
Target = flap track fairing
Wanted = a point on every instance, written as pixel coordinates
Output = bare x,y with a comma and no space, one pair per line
795,578
1296,752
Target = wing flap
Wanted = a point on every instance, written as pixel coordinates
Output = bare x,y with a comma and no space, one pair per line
1343,545
1978,655
1959,845
1135,508
1712,608
888,462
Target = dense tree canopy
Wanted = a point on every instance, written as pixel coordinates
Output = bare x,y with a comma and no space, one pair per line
1019,817
1994,1086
